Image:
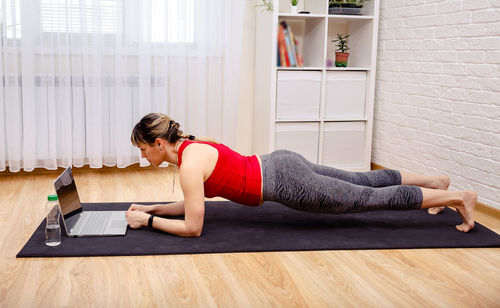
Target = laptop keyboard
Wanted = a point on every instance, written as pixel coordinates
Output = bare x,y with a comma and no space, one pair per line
93,223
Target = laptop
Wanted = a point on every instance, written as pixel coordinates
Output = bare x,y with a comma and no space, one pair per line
80,223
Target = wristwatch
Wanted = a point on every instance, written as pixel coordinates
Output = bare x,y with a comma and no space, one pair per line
150,221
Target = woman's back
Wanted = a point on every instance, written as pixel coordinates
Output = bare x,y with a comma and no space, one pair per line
235,176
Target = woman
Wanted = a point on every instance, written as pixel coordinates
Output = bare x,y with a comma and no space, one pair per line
208,169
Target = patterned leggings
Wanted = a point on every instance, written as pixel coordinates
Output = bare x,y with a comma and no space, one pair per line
290,179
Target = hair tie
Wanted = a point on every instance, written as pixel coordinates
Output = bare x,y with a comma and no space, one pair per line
191,137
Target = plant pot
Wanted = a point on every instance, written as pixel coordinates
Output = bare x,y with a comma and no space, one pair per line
341,59
345,9
334,10
294,9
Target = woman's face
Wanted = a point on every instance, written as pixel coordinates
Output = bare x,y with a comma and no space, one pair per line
151,152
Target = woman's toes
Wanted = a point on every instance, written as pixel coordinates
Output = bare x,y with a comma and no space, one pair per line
435,210
465,227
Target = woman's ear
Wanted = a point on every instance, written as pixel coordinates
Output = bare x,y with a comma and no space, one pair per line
159,142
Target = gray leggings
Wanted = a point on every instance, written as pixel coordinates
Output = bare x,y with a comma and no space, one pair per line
289,179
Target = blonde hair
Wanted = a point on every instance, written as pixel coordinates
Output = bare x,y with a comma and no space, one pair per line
159,125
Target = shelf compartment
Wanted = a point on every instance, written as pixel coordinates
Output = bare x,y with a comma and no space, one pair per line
359,41
302,138
310,34
345,94
313,7
366,11
344,144
298,95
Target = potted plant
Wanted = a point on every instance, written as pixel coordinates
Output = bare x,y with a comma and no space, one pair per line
294,6
341,56
266,5
345,7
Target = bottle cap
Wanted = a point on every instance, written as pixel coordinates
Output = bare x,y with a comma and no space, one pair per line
52,198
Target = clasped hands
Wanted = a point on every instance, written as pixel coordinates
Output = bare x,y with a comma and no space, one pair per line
137,215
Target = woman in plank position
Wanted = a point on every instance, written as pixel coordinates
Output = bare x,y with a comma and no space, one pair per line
209,169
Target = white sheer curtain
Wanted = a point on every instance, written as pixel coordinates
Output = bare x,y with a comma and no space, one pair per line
78,74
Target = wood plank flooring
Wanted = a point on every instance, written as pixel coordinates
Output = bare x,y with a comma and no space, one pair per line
383,278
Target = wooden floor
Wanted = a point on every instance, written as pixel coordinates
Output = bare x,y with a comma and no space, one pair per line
389,278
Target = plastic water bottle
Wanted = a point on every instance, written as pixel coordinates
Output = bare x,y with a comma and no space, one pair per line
52,226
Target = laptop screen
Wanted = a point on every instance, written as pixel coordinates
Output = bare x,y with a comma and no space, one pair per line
68,195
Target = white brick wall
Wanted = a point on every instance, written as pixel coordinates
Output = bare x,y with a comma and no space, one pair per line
437,101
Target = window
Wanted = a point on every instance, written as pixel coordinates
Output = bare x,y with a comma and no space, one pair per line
172,21
10,16
75,16
178,26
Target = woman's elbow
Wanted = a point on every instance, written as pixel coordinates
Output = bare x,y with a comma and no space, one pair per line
194,231
194,224
193,234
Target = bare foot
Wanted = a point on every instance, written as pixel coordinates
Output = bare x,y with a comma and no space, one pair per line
466,211
440,182
435,210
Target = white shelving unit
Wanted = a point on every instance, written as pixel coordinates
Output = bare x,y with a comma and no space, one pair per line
325,113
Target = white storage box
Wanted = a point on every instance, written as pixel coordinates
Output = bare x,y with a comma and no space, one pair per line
298,95
302,138
345,95
344,144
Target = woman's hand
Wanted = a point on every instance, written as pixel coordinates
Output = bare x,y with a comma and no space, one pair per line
136,218
140,207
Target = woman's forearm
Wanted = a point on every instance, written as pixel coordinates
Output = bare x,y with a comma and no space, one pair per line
177,226
169,209
190,226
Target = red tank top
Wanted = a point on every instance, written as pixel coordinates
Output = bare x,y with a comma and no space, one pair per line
235,177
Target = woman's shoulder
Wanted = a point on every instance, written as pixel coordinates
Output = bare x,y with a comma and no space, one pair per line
191,146
197,151
198,159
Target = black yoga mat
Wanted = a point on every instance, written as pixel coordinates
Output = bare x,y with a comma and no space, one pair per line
230,227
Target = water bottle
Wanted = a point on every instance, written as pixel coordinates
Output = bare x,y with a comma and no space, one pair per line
52,226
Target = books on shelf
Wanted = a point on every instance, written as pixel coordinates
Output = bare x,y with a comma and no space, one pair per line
288,54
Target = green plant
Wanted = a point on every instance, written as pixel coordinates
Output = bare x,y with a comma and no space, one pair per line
346,3
295,2
342,42
267,5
